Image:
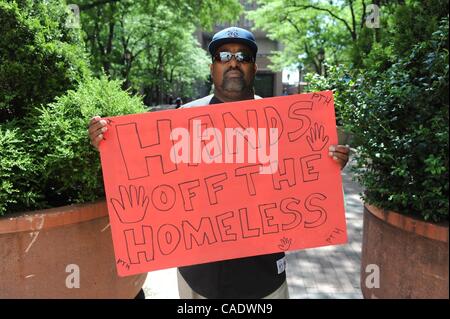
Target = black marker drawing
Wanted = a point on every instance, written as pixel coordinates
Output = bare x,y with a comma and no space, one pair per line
163,197
230,121
296,111
168,238
285,243
317,138
224,229
285,174
204,232
273,120
247,232
319,97
268,225
248,172
139,242
123,263
132,206
187,194
306,164
317,209
293,211
137,155
206,122
334,234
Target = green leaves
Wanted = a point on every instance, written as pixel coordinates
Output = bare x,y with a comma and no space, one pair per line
39,58
16,167
306,27
151,44
399,119
71,168
435,165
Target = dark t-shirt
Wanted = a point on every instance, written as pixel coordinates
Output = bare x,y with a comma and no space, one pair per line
250,277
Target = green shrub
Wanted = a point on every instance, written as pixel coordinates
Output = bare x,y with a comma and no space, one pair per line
340,81
45,156
40,58
51,163
71,171
403,132
399,119
15,167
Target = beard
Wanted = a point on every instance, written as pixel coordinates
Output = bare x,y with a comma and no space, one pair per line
234,84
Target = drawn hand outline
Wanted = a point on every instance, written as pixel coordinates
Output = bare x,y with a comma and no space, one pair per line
132,206
317,138
285,243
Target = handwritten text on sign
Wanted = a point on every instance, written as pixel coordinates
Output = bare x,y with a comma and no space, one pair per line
225,181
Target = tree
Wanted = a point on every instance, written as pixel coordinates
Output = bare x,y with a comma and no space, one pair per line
339,28
137,41
309,29
40,57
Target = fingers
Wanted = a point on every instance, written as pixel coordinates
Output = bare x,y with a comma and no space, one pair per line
97,127
125,196
322,131
141,195
118,208
340,154
94,119
145,204
96,123
344,149
133,196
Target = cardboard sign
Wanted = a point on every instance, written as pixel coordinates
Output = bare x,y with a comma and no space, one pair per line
225,181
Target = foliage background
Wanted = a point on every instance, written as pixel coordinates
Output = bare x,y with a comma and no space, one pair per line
55,74
390,86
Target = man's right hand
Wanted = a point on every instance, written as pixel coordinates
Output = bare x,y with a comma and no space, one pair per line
97,127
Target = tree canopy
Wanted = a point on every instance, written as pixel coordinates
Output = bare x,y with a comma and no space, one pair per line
150,44
343,32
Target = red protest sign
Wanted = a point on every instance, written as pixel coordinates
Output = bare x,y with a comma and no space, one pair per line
225,181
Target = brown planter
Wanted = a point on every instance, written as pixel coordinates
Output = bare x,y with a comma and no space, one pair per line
412,256
36,248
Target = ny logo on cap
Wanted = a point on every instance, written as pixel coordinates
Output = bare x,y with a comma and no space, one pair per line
233,33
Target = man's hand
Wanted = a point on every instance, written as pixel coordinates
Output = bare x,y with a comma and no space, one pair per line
97,127
340,154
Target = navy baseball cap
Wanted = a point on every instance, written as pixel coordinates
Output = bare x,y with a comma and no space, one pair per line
233,35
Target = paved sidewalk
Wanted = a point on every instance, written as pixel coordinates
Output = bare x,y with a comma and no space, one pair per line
317,273
332,271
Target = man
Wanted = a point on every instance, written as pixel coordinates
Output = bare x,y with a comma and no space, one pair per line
233,71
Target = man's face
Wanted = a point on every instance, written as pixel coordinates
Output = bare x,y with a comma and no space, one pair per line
233,78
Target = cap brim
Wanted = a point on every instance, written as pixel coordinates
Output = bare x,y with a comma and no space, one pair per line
213,46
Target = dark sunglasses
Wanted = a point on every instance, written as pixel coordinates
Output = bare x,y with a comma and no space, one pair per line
239,56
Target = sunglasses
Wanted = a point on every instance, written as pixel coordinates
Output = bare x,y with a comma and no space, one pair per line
239,56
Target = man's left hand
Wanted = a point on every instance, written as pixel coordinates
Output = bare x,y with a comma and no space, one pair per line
340,154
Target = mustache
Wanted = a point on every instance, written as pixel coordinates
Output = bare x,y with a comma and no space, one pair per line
234,69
